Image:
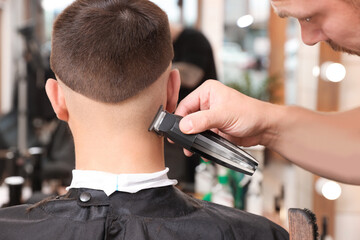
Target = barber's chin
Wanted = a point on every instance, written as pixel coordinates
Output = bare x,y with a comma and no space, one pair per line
351,52
338,48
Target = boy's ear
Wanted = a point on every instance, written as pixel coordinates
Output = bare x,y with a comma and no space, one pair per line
57,99
173,90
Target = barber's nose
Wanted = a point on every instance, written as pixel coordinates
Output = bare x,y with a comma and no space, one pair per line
311,34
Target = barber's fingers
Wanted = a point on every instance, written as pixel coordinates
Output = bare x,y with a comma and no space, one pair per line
199,99
188,153
201,121
209,106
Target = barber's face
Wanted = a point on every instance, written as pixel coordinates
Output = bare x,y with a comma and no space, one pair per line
333,21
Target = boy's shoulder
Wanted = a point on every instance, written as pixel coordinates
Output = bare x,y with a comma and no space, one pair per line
158,213
238,224
58,218
172,214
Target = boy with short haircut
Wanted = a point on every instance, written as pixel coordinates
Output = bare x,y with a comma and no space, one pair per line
112,59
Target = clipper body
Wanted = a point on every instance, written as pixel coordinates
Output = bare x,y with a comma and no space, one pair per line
208,144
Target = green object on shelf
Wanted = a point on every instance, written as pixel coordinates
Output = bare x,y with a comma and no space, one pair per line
223,179
238,192
204,161
207,197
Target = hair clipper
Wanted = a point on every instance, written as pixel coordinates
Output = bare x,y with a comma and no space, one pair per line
207,144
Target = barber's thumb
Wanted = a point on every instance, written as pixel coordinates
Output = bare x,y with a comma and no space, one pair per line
196,122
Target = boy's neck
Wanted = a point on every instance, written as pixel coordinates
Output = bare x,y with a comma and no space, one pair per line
114,137
119,152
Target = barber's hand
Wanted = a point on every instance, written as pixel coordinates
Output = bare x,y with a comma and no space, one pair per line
304,137
243,120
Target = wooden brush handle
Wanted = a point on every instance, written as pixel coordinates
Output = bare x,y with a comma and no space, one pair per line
302,224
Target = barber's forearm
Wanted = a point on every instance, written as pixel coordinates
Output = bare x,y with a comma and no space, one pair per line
325,144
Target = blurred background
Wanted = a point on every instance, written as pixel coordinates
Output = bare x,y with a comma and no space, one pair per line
248,48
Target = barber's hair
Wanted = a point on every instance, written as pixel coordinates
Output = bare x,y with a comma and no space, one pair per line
110,50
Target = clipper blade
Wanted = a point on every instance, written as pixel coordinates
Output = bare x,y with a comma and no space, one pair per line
159,117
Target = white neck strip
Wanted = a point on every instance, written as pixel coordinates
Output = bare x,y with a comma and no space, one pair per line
109,182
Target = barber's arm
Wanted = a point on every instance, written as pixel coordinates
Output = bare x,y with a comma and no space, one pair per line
325,144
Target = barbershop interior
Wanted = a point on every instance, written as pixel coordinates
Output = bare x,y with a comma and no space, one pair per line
253,51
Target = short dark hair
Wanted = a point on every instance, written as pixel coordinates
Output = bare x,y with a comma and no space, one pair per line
110,50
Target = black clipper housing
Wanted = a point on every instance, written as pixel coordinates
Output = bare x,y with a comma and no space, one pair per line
207,144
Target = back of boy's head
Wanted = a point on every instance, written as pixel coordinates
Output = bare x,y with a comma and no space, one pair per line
110,50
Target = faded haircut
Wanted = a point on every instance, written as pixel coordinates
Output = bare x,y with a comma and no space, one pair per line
110,50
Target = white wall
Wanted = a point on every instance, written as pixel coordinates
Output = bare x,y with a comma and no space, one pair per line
308,58
12,49
213,27
347,219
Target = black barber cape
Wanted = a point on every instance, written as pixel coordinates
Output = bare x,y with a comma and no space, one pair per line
158,213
